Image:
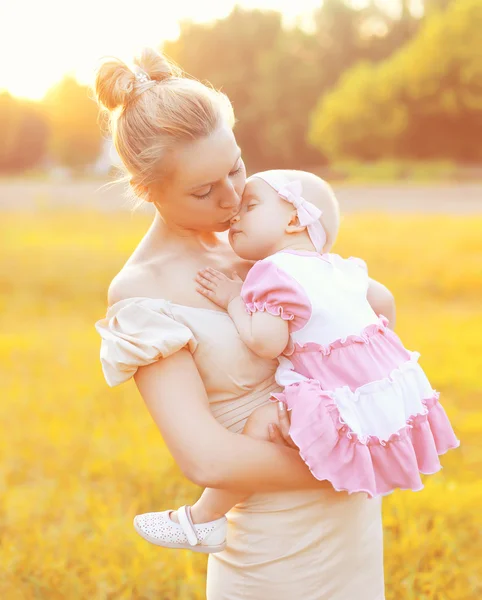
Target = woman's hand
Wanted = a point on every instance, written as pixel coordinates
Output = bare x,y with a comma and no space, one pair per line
279,433
208,454
217,287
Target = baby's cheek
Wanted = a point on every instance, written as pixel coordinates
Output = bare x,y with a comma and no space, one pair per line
264,236
273,231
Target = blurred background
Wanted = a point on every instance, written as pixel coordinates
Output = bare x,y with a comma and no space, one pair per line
383,98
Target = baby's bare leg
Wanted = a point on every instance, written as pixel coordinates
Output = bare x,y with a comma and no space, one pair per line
214,503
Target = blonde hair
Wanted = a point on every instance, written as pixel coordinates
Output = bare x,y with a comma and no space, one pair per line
151,111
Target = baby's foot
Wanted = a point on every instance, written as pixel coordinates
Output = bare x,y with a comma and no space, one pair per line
178,531
199,515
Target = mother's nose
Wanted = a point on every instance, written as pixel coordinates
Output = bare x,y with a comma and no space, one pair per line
234,220
230,197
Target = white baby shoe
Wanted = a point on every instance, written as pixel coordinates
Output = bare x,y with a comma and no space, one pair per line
158,528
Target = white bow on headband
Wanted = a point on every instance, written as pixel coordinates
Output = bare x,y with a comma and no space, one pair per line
308,214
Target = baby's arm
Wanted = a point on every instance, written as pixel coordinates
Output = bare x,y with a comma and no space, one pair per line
265,334
382,301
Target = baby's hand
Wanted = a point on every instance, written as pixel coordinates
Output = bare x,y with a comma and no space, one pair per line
217,287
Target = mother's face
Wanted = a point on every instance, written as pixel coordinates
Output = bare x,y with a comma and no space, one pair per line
204,189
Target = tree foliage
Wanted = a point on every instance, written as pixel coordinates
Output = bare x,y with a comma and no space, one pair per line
361,83
24,137
275,76
75,140
425,101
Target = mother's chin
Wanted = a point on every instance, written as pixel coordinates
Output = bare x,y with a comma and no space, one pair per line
223,226
220,227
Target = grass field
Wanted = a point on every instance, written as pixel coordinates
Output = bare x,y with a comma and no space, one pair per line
78,460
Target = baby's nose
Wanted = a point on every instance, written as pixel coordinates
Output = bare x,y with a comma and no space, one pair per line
234,220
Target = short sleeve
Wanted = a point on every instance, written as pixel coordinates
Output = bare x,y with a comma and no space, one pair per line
269,288
359,262
137,332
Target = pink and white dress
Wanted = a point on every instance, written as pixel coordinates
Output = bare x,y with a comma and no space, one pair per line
363,412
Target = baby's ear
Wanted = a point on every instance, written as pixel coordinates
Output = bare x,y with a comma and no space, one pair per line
295,228
294,218
294,224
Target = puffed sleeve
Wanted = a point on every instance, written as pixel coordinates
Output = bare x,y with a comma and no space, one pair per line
269,288
137,332
359,262
353,264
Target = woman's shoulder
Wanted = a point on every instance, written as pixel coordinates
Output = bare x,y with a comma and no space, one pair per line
137,280
128,283
138,328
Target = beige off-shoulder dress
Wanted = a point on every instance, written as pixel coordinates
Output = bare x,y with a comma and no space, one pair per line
295,545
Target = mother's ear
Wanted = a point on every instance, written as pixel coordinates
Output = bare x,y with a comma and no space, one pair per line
142,191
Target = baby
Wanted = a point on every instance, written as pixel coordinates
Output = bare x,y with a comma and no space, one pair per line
363,413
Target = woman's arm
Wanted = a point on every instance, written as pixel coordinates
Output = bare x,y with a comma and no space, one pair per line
207,453
382,301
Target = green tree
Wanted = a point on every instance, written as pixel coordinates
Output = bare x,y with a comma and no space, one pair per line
431,5
346,35
9,122
275,76
423,102
24,134
300,67
227,53
289,81
75,140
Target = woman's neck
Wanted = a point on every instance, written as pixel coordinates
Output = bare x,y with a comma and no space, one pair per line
162,234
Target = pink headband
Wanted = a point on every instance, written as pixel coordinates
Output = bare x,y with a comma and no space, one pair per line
308,214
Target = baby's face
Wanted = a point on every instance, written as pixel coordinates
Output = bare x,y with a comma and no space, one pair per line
260,225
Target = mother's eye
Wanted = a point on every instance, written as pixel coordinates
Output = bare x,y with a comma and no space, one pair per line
238,169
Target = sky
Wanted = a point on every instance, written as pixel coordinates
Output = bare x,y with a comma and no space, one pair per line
42,40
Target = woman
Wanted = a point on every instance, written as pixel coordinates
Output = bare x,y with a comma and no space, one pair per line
295,538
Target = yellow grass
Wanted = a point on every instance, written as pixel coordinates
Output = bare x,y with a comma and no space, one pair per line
78,460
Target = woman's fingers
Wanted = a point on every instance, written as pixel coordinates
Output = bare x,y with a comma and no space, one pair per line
275,435
279,433
284,421
284,425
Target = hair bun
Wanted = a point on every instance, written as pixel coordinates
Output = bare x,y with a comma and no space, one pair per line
114,82
156,65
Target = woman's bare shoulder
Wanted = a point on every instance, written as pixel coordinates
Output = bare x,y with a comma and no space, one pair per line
135,280
126,284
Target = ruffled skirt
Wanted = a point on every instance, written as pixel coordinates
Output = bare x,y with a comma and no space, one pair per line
366,417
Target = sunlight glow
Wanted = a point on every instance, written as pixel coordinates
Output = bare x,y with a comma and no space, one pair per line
42,41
